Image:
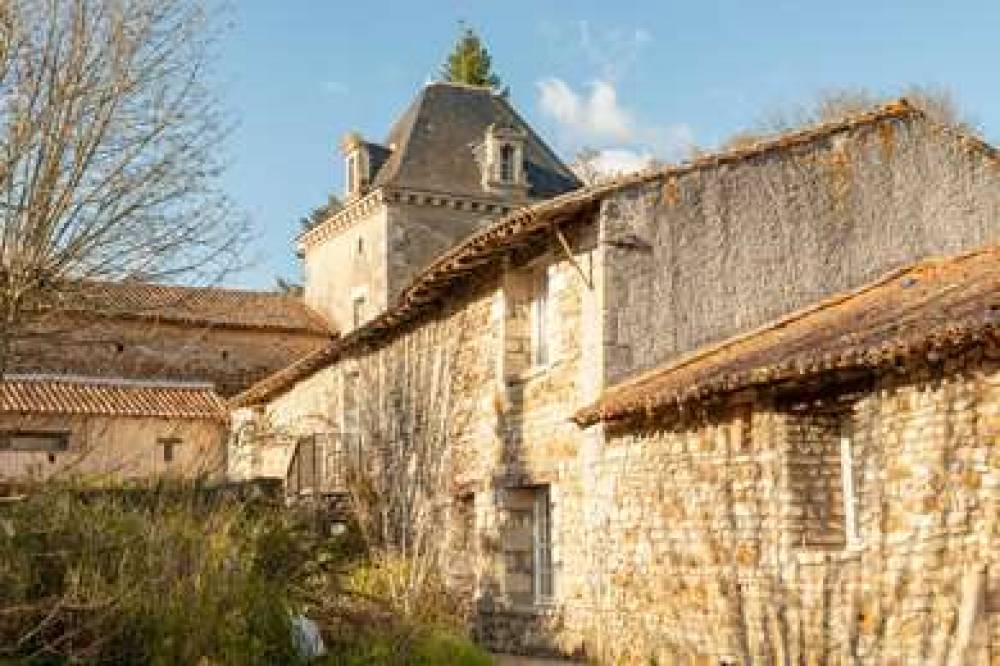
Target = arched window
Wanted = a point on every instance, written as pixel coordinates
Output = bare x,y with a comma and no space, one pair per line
507,163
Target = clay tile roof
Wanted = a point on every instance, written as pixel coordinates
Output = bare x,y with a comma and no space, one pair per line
921,309
228,308
532,222
85,396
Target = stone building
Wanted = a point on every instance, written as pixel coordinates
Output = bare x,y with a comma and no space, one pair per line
742,409
129,380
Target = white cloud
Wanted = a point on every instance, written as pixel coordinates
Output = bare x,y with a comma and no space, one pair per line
617,161
595,118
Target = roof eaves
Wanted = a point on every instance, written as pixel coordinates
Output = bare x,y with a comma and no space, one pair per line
615,404
527,219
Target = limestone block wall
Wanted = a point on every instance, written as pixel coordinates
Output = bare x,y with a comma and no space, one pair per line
109,448
718,251
509,430
349,264
715,536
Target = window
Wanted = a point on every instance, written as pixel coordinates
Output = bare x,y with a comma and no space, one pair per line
824,485
507,154
358,310
540,318
851,536
527,321
352,173
527,545
351,419
169,446
34,441
543,546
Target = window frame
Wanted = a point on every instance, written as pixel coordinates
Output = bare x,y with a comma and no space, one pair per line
542,574
358,302
60,437
507,160
540,328
852,536
168,448
352,173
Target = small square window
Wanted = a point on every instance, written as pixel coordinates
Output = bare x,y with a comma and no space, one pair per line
169,446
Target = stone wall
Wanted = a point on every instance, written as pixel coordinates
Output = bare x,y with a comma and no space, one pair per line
420,232
715,537
106,448
509,426
230,358
350,264
718,251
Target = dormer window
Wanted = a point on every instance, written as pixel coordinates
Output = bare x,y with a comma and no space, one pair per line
356,163
507,155
503,160
352,174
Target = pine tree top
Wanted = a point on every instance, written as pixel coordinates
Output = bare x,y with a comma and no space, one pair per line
469,62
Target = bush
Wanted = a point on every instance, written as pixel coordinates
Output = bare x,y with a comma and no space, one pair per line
166,574
176,574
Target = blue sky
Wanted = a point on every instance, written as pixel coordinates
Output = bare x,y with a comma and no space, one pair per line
631,78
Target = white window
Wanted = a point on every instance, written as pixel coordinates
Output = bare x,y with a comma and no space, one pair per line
540,318
542,558
851,536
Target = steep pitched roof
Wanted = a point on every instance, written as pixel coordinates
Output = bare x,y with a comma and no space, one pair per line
921,309
532,222
433,144
88,396
226,308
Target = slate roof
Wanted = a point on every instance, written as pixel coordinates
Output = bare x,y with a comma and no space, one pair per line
226,308
87,396
531,223
922,309
433,144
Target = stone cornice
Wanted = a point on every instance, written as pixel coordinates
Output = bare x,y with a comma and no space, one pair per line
344,218
361,207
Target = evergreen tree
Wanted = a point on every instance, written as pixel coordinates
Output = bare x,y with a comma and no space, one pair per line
470,62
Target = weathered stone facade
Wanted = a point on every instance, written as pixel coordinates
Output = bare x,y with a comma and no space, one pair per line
709,547
850,519
712,252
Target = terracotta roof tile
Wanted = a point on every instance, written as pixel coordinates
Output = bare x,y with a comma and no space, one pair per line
232,308
922,309
79,396
525,224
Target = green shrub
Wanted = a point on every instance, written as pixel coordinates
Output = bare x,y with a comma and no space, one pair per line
164,575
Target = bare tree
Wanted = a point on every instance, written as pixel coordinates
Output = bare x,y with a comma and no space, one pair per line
837,103
109,150
409,421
